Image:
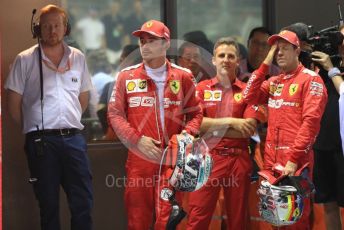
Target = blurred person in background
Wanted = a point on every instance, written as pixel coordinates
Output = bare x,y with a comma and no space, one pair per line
91,32
130,56
257,49
190,57
329,159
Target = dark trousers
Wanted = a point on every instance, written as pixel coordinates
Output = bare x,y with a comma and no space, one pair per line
63,161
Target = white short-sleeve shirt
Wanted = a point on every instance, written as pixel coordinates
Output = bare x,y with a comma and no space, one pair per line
61,106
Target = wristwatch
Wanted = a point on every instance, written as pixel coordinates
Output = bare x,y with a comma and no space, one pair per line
333,72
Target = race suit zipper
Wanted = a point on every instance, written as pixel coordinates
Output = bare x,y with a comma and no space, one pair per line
156,117
276,144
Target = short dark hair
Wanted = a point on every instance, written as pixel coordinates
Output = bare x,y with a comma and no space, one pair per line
260,29
227,41
300,29
187,44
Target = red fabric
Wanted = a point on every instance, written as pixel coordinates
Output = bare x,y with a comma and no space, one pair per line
286,35
142,195
296,103
155,28
232,174
134,112
218,102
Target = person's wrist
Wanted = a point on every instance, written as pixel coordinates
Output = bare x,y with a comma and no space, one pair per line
333,72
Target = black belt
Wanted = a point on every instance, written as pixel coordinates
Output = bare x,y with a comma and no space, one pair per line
54,132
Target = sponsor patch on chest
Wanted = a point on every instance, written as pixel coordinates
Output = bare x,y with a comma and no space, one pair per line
136,86
212,95
275,89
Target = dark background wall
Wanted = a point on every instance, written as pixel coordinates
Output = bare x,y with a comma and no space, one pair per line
319,13
19,206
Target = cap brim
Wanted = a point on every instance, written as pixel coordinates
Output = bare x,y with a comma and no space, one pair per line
272,39
139,33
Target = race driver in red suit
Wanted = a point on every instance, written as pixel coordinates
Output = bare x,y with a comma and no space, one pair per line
151,102
296,100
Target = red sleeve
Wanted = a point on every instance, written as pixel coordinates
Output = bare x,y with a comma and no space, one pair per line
314,102
257,89
200,95
192,107
117,114
258,112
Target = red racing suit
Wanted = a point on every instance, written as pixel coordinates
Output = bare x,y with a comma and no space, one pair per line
296,102
133,111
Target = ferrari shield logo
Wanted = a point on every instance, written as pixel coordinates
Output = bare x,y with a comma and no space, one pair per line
237,97
149,24
175,86
293,89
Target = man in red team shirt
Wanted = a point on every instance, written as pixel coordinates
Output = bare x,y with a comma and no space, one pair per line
228,123
151,102
296,101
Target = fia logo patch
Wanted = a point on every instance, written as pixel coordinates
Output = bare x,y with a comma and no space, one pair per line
74,79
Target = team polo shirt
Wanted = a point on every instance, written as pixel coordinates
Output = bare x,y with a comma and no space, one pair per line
62,87
219,102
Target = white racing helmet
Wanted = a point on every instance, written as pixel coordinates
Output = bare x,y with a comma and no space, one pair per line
279,205
282,199
190,161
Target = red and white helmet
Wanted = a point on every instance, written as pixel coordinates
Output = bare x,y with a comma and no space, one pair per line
279,205
190,161
282,198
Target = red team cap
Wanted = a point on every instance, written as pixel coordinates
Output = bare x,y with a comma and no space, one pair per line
286,35
155,28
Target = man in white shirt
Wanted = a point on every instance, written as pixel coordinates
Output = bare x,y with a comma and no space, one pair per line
49,108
